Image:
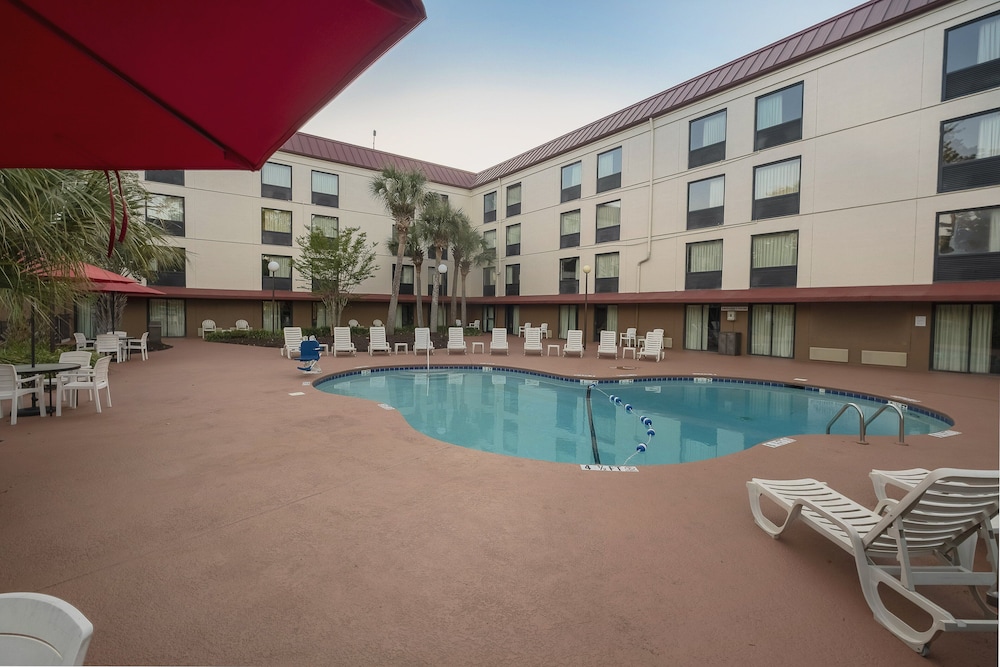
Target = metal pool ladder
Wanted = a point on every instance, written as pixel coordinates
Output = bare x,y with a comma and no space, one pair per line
863,423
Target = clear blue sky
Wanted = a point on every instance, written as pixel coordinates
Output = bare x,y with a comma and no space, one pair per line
480,82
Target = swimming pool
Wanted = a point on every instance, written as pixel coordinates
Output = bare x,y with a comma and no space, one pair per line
539,416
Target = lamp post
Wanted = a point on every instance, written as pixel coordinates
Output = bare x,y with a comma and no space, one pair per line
273,266
586,290
441,269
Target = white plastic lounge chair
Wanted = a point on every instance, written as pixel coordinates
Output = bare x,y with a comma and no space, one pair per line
377,341
242,325
342,341
456,340
109,344
532,341
941,513
93,381
207,326
652,346
499,342
608,344
38,629
140,345
293,338
12,388
422,341
546,333
574,342
82,342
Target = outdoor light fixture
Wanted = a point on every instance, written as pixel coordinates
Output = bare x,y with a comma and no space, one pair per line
273,266
586,290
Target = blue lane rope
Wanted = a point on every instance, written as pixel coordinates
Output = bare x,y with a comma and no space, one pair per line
617,401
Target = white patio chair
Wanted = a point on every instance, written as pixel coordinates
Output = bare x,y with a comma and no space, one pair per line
377,341
523,328
532,341
82,357
82,342
38,629
608,344
627,339
499,341
108,344
93,381
932,521
293,339
353,323
342,341
140,345
242,325
456,340
475,325
546,332
12,388
574,342
422,341
652,346
377,323
207,326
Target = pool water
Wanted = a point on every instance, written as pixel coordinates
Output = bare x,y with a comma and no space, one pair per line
542,417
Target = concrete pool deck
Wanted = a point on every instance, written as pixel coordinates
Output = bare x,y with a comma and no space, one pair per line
211,518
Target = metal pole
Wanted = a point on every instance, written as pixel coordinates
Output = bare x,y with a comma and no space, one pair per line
274,326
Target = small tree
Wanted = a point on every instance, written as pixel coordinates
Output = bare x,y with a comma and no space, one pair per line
335,265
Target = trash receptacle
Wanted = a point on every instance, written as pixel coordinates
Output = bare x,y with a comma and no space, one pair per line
155,332
729,343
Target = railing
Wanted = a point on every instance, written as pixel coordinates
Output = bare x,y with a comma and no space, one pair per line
898,412
861,420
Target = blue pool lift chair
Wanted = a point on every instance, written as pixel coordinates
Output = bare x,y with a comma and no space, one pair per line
309,356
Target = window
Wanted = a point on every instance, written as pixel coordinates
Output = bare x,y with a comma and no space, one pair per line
325,188
569,279
972,57
513,199
772,330
776,189
609,218
704,265
405,279
330,226
275,226
707,141
276,181
489,281
609,170
774,260
512,277
432,253
490,240
779,118
606,272
702,323
282,278
513,240
171,176
970,152
170,314
490,207
706,201
968,245
569,229
966,338
172,278
442,284
167,212
572,177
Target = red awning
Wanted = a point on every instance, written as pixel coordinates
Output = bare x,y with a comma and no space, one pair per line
182,84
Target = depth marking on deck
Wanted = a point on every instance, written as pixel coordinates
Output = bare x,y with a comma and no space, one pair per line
297,393
778,442
944,434
604,468
386,406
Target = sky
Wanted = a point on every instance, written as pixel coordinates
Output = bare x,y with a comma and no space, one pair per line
480,82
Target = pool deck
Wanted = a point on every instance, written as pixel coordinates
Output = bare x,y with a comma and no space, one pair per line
210,517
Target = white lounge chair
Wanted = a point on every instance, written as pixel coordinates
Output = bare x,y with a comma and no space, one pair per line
140,344
82,342
499,341
652,346
422,341
207,326
935,519
342,341
38,629
532,341
92,380
293,339
456,340
377,341
574,342
12,388
242,325
608,344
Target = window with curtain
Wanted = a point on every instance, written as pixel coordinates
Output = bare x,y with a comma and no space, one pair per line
572,177
276,181
707,140
489,281
779,117
512,275
968,245
514,199
490,239
490,207
167,212
706,202
568,318
325,189
606,272
972,57
704,265
609,218
171,176
569,276
170,314
776,189
569,229
772,330
275,227
326,224
282,277
513,240
696,325
174,277
609,170
966,338
774,259
970,152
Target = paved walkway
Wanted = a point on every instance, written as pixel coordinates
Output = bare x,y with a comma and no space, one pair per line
211,518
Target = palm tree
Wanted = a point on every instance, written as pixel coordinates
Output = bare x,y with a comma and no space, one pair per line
469,249
401,192
438,222
415,251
